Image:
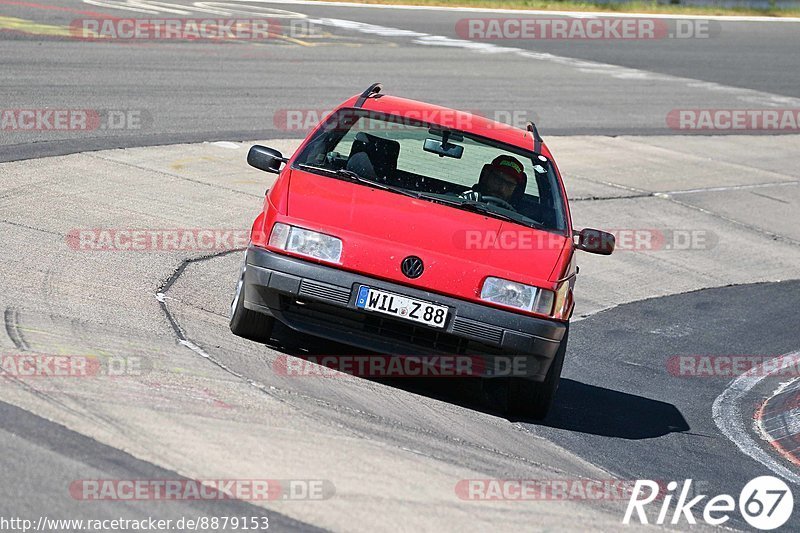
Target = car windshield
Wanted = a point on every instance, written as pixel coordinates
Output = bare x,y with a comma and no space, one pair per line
427,161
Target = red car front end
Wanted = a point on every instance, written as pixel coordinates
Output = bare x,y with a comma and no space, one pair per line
366,238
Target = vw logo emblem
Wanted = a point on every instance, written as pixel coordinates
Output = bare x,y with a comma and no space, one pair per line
412,266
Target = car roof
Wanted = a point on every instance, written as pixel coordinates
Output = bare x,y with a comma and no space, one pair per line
450,118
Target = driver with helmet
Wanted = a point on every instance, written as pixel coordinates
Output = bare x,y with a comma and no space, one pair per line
499,180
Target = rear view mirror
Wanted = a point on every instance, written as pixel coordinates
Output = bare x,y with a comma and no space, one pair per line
595,241
446,134
266,159
443,149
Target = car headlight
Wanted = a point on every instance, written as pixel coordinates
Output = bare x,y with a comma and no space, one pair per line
513,294
306,242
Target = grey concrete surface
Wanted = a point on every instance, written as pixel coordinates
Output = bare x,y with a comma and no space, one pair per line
220,409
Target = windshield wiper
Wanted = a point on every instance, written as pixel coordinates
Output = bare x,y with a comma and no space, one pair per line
353,176
476,207
480,207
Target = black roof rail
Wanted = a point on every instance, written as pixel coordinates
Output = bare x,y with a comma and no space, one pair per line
375,88
537,140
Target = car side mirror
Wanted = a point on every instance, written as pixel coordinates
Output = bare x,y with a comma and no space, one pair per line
595,241
266,159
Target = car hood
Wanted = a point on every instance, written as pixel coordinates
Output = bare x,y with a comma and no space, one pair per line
458,248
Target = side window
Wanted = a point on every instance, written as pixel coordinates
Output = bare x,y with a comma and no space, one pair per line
346,143
535,173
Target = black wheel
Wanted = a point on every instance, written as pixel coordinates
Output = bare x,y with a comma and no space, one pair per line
245,323
532,399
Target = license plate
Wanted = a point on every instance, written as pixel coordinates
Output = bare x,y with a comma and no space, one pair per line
401,306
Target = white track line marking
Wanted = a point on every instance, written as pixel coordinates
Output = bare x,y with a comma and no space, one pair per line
227,144
225,9
575,14
728,417
195,348
749,96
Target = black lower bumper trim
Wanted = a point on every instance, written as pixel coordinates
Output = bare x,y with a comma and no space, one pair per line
320,300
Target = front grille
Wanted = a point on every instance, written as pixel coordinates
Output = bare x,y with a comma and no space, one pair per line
411,334
323,291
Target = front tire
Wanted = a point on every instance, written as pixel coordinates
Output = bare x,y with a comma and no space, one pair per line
246,323
531,399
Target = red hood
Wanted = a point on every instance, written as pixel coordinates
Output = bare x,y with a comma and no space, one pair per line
459,248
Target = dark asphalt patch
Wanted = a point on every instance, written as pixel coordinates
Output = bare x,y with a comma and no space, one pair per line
621,408
41,459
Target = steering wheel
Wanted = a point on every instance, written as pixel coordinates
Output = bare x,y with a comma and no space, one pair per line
499,202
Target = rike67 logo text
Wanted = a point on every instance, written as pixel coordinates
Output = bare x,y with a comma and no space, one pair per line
765,503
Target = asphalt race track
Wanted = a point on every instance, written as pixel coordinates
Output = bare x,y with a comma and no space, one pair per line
716,279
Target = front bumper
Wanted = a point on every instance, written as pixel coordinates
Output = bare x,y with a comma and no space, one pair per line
320,300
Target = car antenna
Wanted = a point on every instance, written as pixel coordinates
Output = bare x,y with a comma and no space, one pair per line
375,88
537,140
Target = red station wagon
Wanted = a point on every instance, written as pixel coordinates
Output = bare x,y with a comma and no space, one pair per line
410,229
